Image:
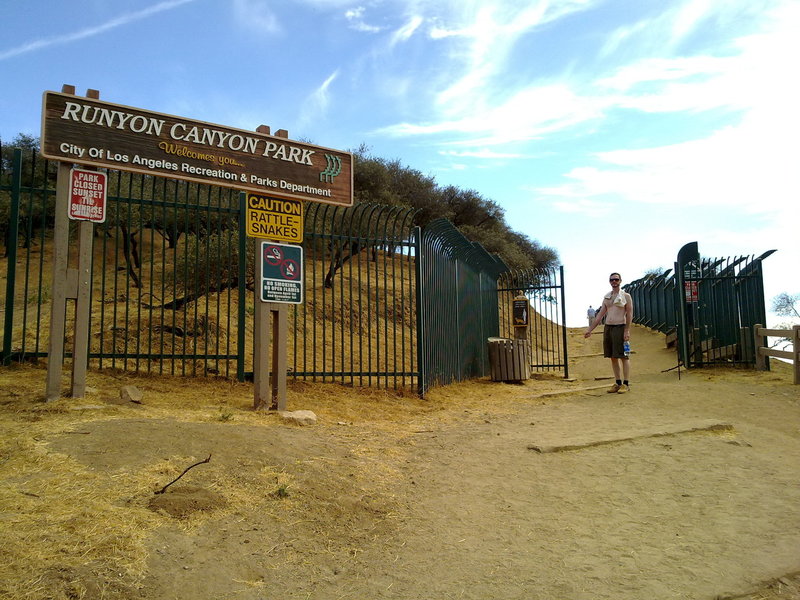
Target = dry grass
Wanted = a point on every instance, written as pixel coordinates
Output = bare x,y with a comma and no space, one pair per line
58,511
66,528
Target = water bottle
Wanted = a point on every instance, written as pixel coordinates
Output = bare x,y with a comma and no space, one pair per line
626,347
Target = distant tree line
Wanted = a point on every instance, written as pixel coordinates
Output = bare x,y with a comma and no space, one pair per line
383,181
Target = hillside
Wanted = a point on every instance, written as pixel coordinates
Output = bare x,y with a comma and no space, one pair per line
389,496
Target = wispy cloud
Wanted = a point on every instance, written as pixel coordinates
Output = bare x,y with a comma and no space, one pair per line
256,15
407,30
526,115
355,16
749,73
316,104
490,30
88,32
481,153
746,166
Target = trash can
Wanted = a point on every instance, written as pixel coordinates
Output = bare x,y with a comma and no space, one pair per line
509,360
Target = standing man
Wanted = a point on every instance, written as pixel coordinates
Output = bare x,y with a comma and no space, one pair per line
590,314
618,310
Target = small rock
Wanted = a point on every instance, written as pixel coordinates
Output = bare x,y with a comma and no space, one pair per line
131,393
299,417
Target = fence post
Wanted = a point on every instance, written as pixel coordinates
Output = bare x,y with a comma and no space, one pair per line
564,321
243,296
796,352
80,345
759,342
11,250
419,257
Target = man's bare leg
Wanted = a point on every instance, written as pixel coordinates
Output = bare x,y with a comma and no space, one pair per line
616,369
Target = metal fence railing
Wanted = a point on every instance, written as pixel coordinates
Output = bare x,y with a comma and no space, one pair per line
386,303
357,324
547,331
710,304
457,305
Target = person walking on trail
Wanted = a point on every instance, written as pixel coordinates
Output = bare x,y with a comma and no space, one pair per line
617,308
590,314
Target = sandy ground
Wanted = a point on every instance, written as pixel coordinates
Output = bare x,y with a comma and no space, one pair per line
682,489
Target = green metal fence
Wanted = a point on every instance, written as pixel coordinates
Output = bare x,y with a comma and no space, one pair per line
386,303
711,304
166,278
457,296
357,324
654,299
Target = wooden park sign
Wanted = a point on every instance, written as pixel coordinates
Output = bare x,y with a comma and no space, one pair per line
92,132
277,173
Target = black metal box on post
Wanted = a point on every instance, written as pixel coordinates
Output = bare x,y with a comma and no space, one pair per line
509,360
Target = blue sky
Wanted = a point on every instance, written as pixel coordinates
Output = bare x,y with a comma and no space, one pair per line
613,131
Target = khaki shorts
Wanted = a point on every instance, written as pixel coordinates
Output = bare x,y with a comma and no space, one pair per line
613,342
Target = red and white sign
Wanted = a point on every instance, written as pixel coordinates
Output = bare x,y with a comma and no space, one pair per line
87,197
691,291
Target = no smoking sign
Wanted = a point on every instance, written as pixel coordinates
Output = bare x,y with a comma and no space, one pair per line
281,273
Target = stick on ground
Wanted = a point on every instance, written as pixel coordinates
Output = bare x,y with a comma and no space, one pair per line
186,470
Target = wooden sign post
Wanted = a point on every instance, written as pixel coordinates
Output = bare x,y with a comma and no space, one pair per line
80,195
271,319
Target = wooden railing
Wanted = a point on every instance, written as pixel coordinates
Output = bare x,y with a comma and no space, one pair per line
762,350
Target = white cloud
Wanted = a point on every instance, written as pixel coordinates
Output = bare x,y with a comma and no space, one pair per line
526,115
355,17
737,168
88,32
748,166
407,30
481,153
316,104
491,30
256,15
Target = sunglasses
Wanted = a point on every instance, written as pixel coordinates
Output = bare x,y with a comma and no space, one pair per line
614,279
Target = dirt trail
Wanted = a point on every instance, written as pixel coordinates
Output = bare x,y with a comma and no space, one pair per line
446,499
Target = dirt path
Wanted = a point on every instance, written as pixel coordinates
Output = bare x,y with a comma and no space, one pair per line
447,499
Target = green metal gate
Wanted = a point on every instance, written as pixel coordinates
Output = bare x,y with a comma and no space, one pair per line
457,303
711,304
547,331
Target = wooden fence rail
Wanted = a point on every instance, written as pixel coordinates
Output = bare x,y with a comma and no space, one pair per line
762,351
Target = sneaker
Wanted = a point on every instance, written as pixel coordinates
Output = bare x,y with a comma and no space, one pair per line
623,389
614,389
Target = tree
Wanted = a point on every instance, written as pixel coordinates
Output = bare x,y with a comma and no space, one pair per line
381,181
786,305
654,273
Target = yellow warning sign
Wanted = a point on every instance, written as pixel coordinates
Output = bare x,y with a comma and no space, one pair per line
274,219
